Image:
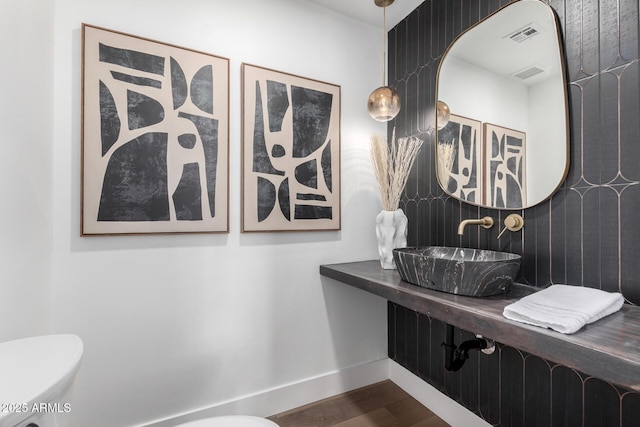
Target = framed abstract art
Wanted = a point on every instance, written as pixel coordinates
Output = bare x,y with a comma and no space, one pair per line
290,152
505,163
155,137
459,158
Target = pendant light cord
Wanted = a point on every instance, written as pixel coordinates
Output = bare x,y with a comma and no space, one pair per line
384,45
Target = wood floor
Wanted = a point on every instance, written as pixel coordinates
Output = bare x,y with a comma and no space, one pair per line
379,405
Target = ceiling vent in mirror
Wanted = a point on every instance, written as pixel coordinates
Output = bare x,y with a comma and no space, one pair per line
524,33
528,72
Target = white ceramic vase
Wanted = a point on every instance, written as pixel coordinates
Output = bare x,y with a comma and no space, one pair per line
391,230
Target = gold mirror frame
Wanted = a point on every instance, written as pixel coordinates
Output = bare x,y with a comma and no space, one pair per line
541,169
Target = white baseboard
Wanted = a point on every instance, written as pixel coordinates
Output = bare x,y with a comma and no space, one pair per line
440,404
289,396
293,395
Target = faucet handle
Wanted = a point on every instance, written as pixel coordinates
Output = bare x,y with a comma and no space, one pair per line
513,222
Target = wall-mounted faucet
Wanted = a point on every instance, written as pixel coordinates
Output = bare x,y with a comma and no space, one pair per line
486,222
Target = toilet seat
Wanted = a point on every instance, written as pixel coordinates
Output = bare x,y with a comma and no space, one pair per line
231,421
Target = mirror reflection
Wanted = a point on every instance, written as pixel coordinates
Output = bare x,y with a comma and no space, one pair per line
505,145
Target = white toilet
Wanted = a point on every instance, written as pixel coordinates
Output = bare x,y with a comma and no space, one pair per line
231,421
37,375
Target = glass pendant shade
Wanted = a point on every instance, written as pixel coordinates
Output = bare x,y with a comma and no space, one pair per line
383,104
443,114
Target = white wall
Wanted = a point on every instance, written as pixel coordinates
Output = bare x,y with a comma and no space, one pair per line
547,115
176,323
26,121
478,94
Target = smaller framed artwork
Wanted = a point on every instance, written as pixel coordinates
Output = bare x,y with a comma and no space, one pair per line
290,152
505,165
459,158
155,137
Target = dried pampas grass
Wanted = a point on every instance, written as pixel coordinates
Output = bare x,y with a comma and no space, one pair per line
391,165
445,159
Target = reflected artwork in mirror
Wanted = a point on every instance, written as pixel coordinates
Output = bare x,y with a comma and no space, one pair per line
506,143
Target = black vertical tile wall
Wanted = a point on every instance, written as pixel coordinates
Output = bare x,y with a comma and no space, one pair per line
509,387
586,234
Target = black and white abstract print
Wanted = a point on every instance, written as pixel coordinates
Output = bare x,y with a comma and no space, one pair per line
505,165
459,152
155,137
482,163
291,140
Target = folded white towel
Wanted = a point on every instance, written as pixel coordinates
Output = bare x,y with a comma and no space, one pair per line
564,308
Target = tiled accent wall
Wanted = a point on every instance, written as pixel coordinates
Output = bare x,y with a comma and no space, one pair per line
510,387
587,234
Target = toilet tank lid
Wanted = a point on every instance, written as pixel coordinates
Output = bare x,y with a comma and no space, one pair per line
36,370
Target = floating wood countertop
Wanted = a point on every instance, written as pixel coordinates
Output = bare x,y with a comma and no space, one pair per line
608,349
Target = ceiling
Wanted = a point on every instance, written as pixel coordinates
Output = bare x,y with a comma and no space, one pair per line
367,11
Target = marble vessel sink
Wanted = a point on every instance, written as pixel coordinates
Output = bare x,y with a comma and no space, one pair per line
460,271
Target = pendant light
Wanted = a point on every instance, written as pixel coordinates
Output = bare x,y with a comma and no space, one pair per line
443,114
384,102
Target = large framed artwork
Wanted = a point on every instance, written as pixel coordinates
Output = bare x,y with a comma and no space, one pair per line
155,137
290,152
459,154
505,165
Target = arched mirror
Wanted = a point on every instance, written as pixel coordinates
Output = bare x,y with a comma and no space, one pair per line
506,142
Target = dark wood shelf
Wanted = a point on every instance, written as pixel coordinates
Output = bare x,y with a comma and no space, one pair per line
608,349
